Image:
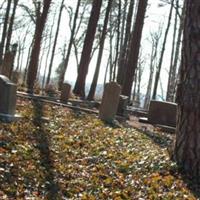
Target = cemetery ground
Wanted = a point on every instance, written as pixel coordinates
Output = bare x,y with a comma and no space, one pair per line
56,153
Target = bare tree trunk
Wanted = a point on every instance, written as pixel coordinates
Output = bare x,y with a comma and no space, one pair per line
173,78
48,52
187,144
23,48
55,42
122,57
101,48
27,62
134,48
124,10
44,46
172,59
155,39
117,41
162,51
3,37
110,56
10,28
79,88
33,65
66,61
106,72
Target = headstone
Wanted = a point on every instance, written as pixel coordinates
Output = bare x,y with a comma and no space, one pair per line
7,99
110,101
163,113
65,92
123,103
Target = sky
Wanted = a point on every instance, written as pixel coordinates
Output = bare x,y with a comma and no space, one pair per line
154,16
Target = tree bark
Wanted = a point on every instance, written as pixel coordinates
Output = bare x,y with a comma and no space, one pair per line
134,48
187,144
101,48
79,88
33,64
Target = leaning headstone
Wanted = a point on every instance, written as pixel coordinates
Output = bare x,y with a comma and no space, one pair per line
110,101
163,113
7,99
123,103
65,92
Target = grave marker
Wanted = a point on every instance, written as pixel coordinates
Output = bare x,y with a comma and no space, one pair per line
162,112
65,92
7,99
110,101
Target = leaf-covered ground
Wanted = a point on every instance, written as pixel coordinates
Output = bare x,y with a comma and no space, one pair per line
54,153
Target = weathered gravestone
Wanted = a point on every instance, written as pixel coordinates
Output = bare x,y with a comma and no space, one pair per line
123,103
65,92
163,113
7,99
110,101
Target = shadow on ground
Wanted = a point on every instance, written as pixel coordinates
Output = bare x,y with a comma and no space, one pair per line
42,141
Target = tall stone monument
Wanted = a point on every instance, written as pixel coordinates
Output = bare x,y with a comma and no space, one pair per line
110,101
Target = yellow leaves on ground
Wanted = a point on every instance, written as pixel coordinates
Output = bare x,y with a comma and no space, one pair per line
71,155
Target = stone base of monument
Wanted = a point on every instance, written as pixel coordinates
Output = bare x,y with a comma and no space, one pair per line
9,118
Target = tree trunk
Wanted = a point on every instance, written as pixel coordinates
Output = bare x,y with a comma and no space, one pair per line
173,81
117,43
155,40
101,48
187,143
55,42
162,52
168,98
10,28
79,88
3,37
122,57
33,64
134,48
